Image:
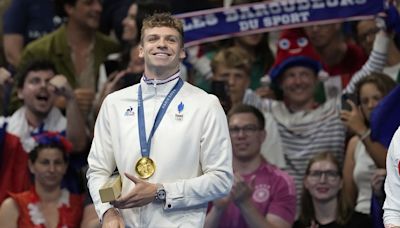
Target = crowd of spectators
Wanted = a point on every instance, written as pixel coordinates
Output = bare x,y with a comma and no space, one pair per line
299,110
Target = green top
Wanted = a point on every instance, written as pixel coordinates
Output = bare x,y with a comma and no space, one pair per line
54,46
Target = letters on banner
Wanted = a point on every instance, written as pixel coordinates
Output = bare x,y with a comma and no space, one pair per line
220,23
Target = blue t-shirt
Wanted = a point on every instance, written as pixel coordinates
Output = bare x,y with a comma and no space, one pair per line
30,18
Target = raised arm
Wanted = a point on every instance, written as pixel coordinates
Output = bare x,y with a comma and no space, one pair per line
76,127
13,46
375,63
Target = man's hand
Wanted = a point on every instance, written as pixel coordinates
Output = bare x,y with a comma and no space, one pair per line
241,191
61,87
142,194
112,219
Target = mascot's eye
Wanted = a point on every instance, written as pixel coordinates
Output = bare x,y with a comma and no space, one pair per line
302,42
284,44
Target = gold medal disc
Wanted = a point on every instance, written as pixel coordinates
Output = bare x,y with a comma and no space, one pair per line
145,167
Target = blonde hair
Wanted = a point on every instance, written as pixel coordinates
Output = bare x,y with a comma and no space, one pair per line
232,57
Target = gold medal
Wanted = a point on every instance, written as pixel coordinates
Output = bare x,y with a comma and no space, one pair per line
145,167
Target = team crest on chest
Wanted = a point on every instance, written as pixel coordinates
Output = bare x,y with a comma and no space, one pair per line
179,115
129,111
261,193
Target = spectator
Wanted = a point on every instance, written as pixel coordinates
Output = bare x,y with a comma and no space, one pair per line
76,48
257,48
363,155
305,126
323,201
366,31
37,115
24,22
338,56
112,15
262,195
231,69
46,204
256,45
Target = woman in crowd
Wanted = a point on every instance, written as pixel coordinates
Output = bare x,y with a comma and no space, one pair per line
364,156
323,201
46,204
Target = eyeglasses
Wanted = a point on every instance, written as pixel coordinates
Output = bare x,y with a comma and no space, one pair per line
331,175
247,129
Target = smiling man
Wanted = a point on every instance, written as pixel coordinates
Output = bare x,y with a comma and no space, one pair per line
305,126
168,139
262,195
36,116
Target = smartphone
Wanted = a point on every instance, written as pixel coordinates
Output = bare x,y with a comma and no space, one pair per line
220,89
345,104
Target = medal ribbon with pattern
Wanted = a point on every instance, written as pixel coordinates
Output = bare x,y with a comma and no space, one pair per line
145,167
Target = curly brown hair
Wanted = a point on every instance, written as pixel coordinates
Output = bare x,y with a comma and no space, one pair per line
162,20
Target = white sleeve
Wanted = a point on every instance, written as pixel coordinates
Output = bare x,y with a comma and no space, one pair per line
251,98
391,206
216,164
272,148
101,159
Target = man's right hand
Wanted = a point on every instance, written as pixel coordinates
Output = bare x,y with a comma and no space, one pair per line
112,219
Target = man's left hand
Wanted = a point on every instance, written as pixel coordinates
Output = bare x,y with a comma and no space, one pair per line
142,194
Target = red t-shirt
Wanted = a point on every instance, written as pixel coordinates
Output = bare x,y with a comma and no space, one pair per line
352,61
70,212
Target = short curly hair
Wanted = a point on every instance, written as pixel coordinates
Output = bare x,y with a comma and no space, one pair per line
162,20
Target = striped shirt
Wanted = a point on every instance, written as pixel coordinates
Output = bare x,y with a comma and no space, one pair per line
306,133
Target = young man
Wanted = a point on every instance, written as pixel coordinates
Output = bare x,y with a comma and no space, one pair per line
169,172
262,195
36,116
233,66
306,127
